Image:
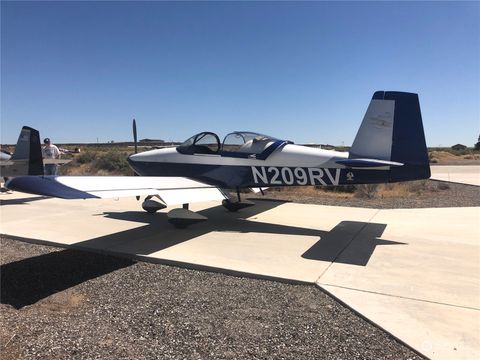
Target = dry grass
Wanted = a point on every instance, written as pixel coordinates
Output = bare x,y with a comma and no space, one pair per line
315,191
98,163
409,188
367,191
441,156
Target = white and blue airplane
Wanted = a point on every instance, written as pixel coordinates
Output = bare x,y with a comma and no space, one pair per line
389,147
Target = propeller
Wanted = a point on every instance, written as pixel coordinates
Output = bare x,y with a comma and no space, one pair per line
134,125
135,135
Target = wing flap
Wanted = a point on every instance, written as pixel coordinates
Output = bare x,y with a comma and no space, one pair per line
176,197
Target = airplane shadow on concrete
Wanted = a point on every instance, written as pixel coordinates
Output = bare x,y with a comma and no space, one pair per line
29,280
21,201
336,245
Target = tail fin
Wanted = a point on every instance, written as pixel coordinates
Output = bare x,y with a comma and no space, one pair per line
392,130
29,151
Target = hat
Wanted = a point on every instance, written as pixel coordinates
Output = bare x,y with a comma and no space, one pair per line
46,141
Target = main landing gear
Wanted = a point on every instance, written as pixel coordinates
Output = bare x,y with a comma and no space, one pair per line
237,204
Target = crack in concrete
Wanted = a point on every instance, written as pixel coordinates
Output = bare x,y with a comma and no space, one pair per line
397,296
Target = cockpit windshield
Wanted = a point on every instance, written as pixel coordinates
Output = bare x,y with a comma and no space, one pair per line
203,143
236,144
247,142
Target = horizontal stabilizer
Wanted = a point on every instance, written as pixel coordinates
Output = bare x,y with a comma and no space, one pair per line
367,163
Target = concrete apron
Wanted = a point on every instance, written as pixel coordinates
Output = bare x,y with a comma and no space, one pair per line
462,174
414,273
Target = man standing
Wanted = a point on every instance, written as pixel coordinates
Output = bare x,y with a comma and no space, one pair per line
50,151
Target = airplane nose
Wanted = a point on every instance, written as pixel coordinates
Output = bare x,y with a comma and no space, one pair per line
132,160
140,157
133,157
150,162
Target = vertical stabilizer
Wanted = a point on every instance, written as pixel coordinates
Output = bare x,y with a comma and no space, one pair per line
392,130
28,152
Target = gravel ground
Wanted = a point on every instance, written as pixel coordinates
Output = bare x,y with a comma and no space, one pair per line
71,304
430,193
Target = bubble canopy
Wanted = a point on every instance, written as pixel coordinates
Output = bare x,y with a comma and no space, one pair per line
243,142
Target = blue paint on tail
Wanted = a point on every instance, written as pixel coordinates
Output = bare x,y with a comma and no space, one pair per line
408,139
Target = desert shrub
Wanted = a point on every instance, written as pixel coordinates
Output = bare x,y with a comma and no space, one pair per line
276,188
337,188
85,157
416,187
112,161
366,191
443,185
466,151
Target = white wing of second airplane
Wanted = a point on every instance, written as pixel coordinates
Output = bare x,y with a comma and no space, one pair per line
56,161
172,190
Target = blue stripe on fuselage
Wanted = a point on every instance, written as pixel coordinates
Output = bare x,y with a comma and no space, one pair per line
231,176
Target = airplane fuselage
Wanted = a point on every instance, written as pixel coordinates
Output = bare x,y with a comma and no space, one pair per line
290,165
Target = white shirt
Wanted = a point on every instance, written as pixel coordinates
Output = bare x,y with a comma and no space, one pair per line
50,152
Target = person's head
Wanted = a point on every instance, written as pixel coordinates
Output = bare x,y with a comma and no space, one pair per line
46,141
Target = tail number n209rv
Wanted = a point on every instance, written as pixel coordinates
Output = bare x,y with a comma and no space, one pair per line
273,175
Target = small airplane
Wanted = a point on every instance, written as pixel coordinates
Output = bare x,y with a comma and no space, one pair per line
27,157
389,147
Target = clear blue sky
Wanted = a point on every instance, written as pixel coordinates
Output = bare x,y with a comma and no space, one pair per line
302,71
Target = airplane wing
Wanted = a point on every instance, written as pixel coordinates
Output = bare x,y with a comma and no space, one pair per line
56,161
172,190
